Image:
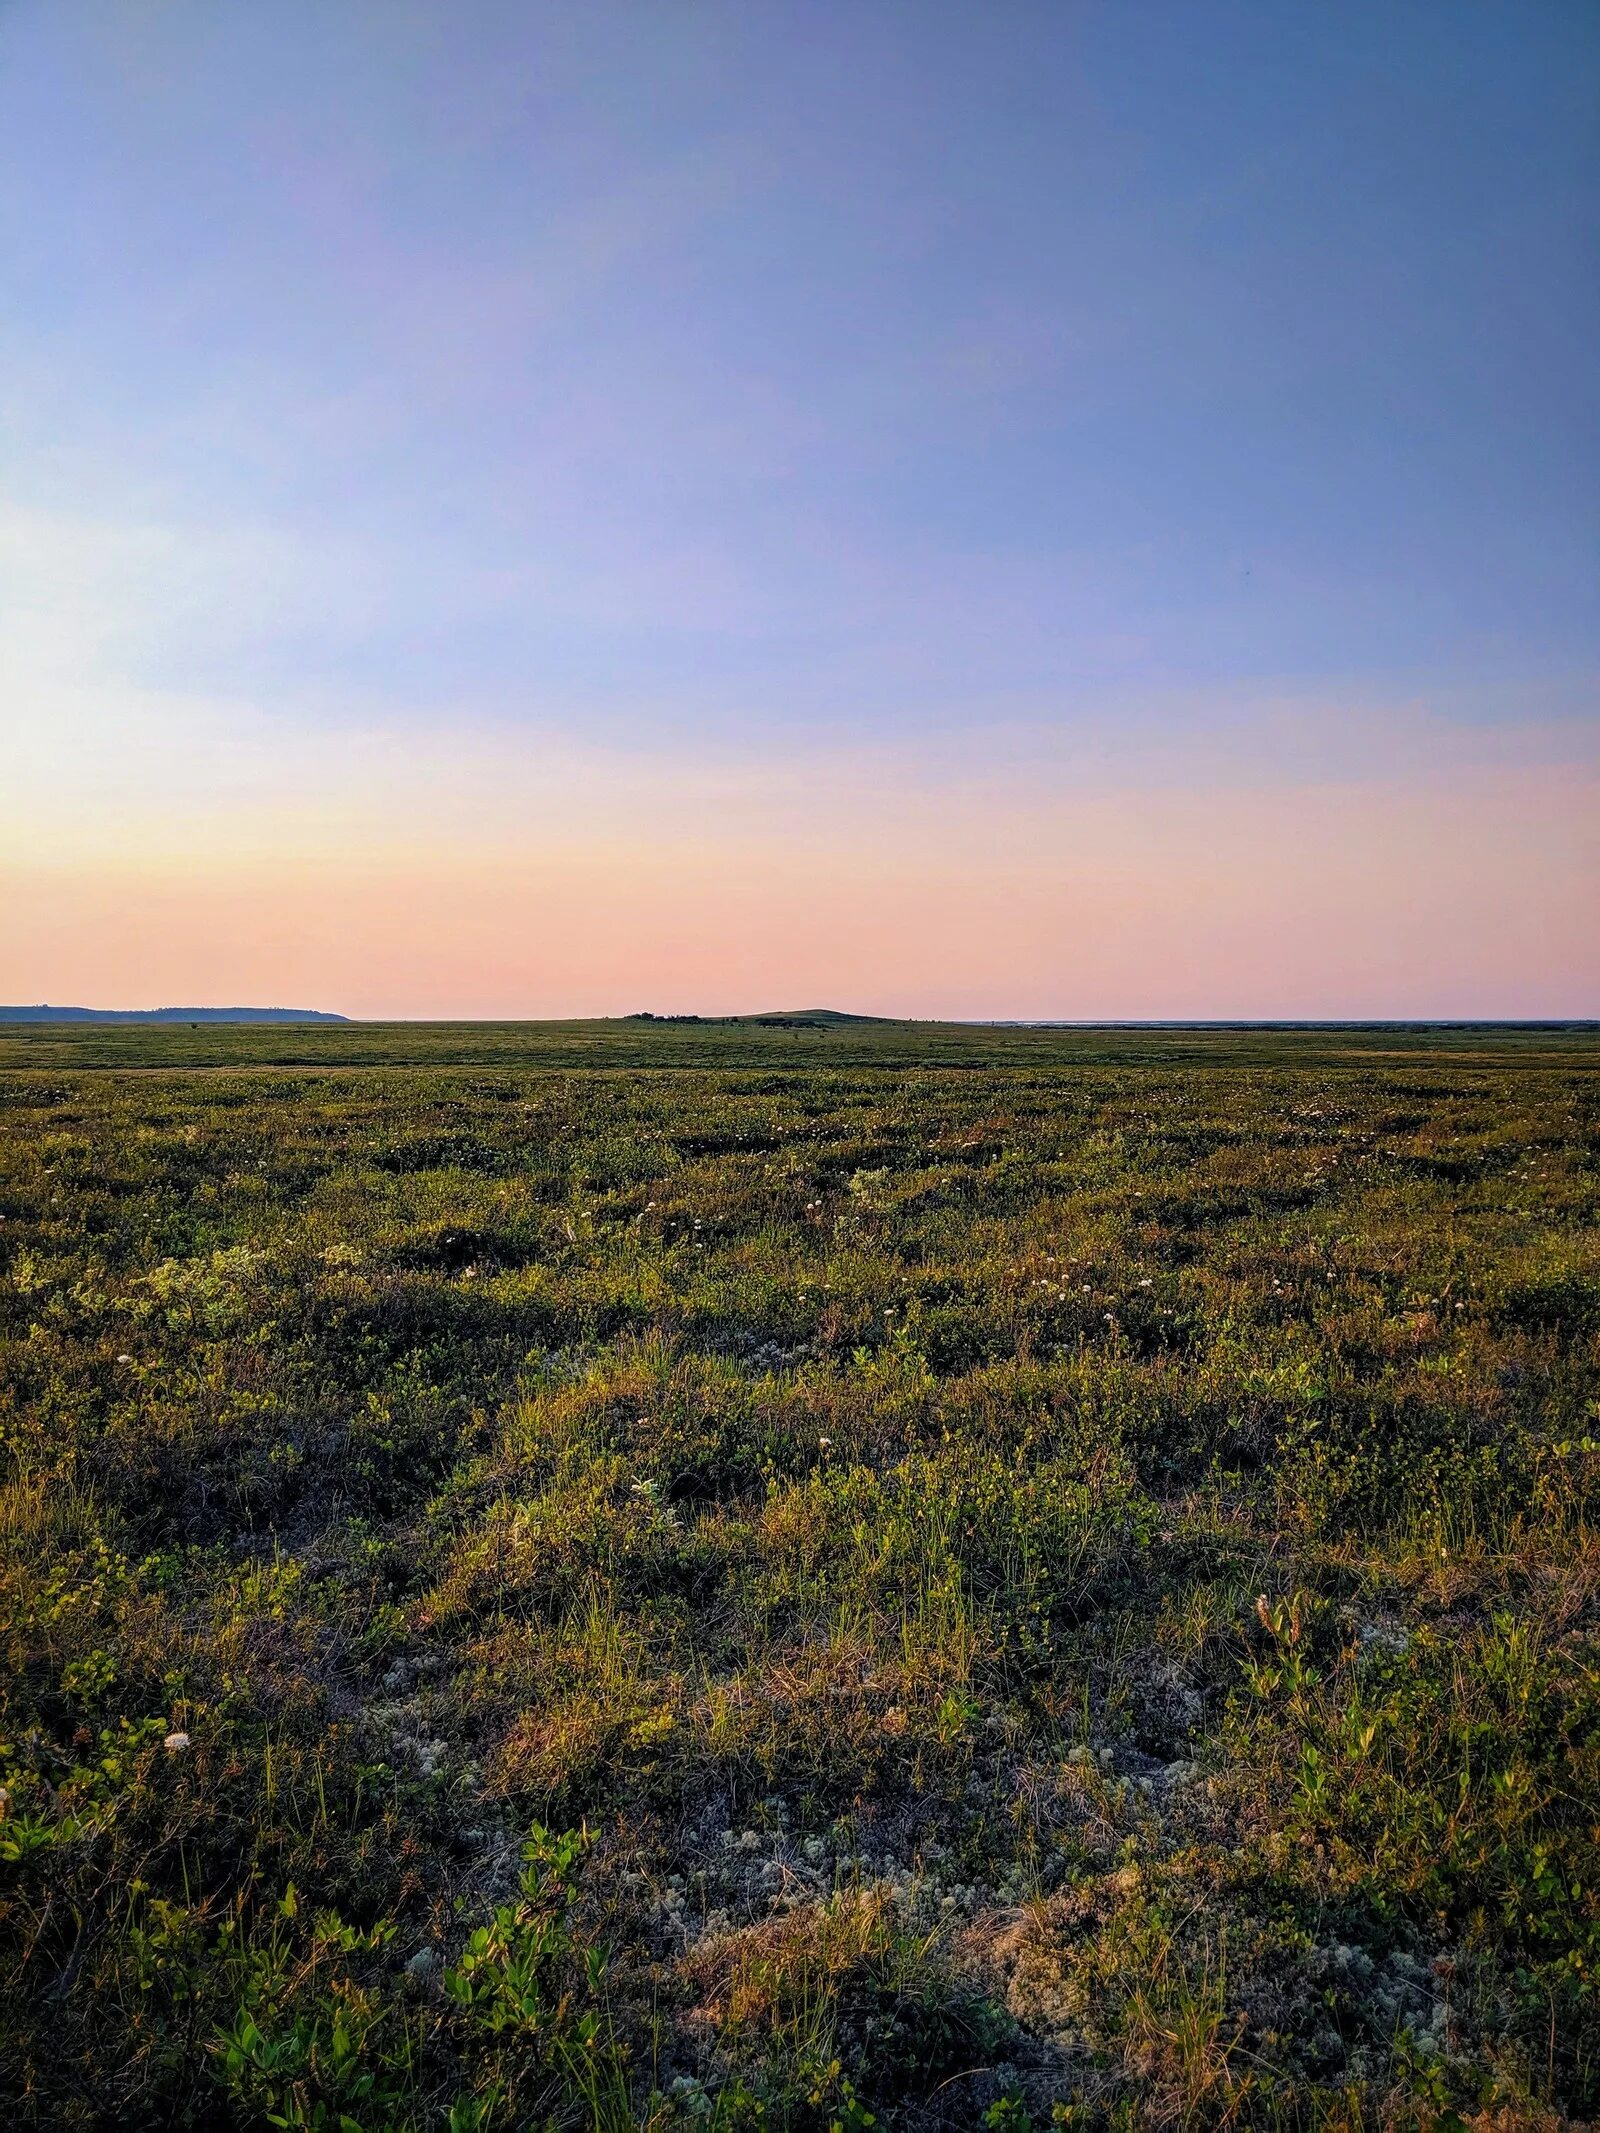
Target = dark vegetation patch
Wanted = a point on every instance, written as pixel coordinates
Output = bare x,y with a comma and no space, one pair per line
1039,1586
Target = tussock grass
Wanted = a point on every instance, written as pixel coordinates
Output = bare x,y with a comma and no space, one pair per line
745,1577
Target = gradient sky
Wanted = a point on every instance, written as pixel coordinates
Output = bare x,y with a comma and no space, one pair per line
995,509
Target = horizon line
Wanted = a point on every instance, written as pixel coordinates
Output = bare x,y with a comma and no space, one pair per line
42,1012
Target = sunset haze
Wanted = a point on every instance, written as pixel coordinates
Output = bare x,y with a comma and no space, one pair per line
1054,511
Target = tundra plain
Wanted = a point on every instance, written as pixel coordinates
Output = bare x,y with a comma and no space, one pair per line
777,1575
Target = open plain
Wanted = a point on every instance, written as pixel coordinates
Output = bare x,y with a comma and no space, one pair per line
776,1574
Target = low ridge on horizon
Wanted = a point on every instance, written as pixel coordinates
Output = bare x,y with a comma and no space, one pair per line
43,1012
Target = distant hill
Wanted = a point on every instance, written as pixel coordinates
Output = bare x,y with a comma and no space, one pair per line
807,1018
830,1016
166,1014
774,1018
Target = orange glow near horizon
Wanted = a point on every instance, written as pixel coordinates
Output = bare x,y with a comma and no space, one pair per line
1343,899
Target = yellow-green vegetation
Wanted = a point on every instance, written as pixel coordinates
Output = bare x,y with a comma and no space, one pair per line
799,1577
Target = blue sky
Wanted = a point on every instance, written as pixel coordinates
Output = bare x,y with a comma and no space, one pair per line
1205,389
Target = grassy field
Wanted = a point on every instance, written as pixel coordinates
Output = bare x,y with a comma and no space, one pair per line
736,1576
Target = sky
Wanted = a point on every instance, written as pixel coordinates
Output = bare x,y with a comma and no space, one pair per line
1021,509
